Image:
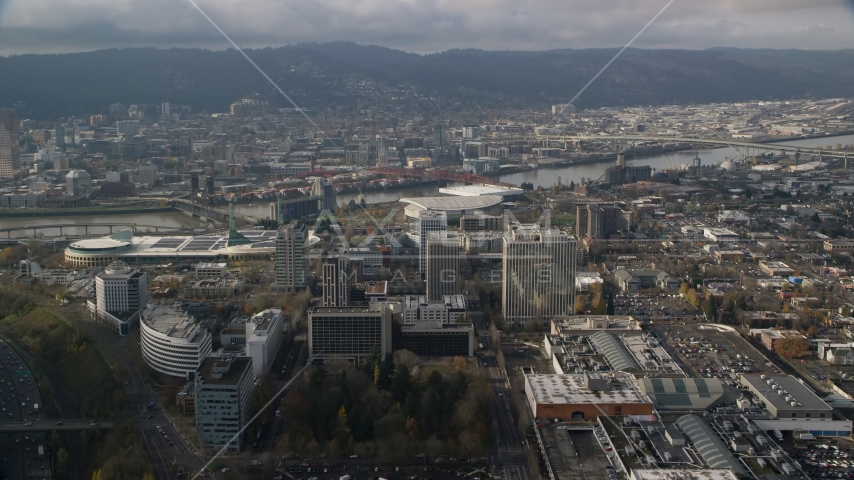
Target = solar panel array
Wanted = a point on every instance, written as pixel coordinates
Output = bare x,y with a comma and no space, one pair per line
201,243
169,242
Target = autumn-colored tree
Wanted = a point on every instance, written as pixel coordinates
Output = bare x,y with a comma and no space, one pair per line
692,297
791,346
62,460
812,331
412,429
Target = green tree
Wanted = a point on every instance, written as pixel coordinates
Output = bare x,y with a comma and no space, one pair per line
401,383
711,310
386,372
611,308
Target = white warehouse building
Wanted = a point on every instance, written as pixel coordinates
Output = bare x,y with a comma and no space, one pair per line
172,342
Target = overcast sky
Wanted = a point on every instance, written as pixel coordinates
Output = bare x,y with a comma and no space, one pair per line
425,26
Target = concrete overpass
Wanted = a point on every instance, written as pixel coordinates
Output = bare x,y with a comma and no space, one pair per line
50,425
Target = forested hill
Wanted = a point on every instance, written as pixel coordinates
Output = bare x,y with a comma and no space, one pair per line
335,74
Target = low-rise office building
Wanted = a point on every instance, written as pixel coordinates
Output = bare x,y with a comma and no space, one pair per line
635,280
172,342
416,308
349,333
720,235
837,246
776,269
433,339
214,288
211,270
223,390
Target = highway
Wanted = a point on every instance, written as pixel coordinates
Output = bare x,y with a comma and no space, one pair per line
18,396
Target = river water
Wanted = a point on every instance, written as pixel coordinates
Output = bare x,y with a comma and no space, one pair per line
162,220
544,177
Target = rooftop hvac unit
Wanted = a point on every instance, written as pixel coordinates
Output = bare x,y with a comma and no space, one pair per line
762,376
794,404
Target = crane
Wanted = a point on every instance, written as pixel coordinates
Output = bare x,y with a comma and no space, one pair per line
559,179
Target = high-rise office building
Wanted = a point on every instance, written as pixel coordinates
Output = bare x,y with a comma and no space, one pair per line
147,174
336,282
439,141
165,110
223,390
59,135
428,221
10,160
120,293
443,265
538,274
598,220
382,151
291,257
128,128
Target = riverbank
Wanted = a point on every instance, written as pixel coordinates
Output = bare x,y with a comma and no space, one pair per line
82,211
649,152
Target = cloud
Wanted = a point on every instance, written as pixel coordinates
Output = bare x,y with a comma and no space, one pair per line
424,26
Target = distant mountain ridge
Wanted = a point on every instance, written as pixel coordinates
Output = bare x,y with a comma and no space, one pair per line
319,75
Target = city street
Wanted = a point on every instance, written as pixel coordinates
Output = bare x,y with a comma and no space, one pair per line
168,450
509,458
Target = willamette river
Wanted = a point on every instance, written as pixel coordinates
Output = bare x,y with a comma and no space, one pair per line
544,177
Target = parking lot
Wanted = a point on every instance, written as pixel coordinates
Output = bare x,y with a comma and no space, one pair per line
824,460
713,352
575,454
655,306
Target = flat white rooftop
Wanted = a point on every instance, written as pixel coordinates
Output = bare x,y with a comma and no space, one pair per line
570,389
482,189
171,321
683,474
